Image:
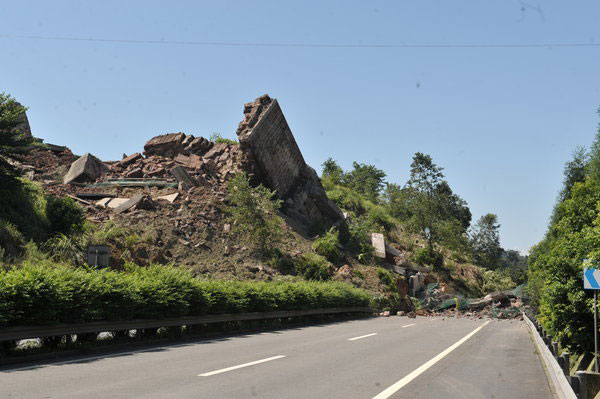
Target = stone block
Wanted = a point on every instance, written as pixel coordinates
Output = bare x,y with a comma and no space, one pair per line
165,145
134,173
378,243
130,159
183,177
88,168
129,204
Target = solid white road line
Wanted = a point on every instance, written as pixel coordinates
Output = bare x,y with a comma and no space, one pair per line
362,336
398,385
409,325
240,366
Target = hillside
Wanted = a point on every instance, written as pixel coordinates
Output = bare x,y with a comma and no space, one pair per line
173,204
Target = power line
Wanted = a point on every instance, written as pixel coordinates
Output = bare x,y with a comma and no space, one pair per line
322,45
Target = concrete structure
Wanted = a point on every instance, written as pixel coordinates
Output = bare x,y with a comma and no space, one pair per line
378,243
267,139
86,168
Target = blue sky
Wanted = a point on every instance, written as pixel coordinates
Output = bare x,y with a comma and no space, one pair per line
501,121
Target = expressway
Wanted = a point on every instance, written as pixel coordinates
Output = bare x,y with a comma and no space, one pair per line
395,357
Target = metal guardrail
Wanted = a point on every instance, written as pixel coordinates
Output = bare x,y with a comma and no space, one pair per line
556,374
25,332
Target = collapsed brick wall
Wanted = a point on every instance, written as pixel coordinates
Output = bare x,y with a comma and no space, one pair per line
266,135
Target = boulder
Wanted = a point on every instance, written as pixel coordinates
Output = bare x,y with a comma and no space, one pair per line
345,271
87,168
166,145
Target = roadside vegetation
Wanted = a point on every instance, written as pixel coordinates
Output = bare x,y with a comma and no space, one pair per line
43,292
572,240
424,217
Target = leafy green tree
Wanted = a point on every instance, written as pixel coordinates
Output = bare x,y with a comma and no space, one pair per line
429,206
255,212
425,176
12,140
366,180
453,206
485,242
333,171
593,165
555,268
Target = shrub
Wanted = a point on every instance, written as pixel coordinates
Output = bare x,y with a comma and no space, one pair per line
347,199
328,245
380,218
67,249
39,294
389,301
24,206
496,280
386,278
11,239
314,267
254,211
217,138
64,215
107,232
359,274
359,241
424,256
280,261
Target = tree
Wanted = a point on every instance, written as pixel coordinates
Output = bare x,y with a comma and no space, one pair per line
453,206
366,180
593,167
431,208
12,140
254,210
332,171
485,242
424,174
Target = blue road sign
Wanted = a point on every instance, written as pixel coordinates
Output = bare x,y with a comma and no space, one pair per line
591,277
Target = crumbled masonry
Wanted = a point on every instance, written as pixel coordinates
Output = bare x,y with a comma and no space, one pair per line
179,184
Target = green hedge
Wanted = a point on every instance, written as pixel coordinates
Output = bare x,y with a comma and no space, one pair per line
42,295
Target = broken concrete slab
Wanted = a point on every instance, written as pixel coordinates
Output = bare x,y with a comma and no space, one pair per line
183,177
378,243
215,151
103,203
129,204
86,168
193,161
169,198
94,196
134,173
116,202
391,251
166,145
130,159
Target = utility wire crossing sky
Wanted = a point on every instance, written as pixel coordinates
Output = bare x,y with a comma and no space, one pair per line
332,45
498,93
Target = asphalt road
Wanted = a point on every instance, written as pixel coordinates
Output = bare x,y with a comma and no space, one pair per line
370,358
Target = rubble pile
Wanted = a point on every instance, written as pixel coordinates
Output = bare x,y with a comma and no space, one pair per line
499,304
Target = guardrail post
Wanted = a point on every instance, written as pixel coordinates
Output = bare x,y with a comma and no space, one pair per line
554,348
581,376
574,382
567,363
